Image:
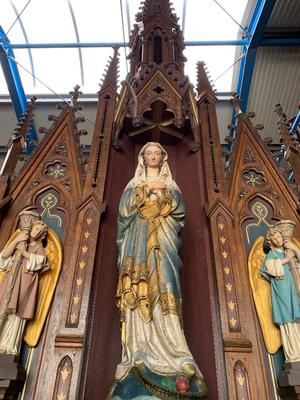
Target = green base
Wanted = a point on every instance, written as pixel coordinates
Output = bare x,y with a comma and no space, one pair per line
143,384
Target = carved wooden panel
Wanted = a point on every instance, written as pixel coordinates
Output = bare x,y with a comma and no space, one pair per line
226,260
82,264
241,382
63,379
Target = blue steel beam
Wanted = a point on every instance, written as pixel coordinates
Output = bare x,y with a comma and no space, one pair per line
13,80
296,123
12,76
258,23
119,44
238,42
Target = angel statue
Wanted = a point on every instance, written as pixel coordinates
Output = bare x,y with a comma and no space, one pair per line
275,287
155,351
29,274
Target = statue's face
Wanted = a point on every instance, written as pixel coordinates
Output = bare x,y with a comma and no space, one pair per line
153,156
36,231
277,239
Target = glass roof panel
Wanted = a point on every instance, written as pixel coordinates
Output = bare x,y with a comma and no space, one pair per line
205,20
99,21
8,17
210,55
95,61
44,21
57,68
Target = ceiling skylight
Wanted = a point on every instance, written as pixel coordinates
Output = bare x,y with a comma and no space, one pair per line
91,21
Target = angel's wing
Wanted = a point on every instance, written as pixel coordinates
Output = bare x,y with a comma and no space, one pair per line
47,285
262,297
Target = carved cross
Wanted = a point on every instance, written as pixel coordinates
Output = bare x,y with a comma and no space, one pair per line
158,124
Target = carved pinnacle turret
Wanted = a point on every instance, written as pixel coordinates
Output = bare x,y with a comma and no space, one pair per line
17,140
203,82
151,7
111,74
98,159
291,148
156,41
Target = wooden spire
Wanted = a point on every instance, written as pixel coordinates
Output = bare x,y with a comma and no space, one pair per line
291,146
97,165
110,76
153,7
203,82
17,141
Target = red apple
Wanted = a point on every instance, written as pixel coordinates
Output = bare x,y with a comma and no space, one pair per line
182,384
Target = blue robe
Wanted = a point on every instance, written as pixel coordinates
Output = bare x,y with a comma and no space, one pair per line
149,291
148,241
285,301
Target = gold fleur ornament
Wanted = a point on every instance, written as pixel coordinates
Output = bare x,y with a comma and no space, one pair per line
84,249
241,380
224,254
227,270
222,240
221,226
65,373
87,234
229,287
79,281
74,318
76,299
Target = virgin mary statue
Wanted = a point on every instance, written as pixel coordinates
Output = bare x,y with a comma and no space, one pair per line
149,298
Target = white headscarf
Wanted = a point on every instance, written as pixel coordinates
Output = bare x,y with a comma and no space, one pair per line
140,175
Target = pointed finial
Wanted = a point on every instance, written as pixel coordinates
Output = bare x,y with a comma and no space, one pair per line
152,7
236,102
203,83
75,94
110,76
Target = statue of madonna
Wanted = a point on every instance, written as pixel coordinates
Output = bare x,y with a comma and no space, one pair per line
149,298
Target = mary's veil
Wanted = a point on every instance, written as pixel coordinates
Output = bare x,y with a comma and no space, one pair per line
140,175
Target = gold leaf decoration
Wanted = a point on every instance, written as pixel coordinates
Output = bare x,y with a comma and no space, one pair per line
87,234
79,281
229,287
224,254
65,373
84,249
74,318
240,379
227,270
76,299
